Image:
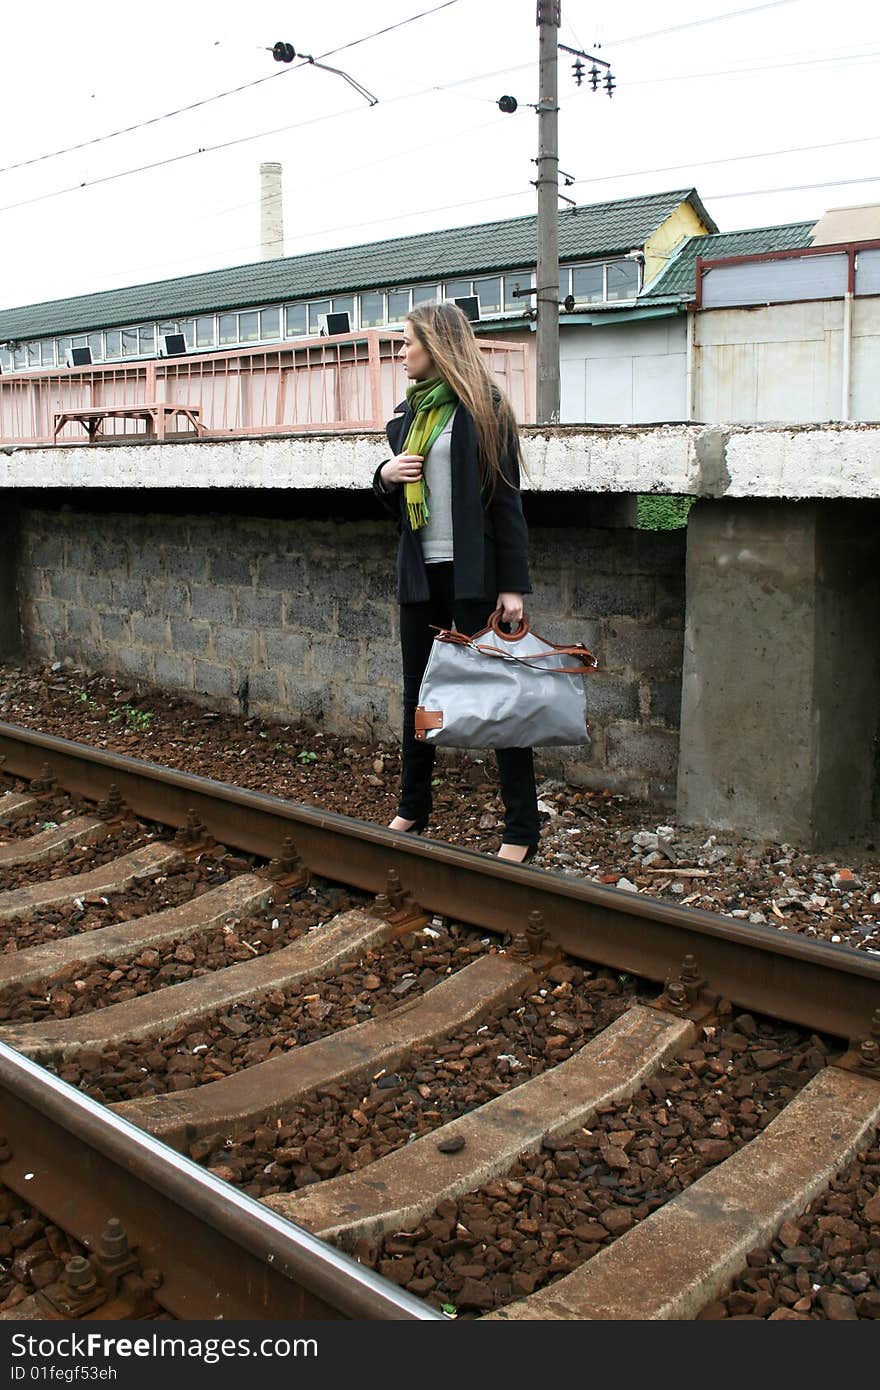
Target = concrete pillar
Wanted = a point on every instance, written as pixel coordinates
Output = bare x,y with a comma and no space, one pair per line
781,680
10,627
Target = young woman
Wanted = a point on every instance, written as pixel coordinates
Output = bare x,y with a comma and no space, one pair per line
453,484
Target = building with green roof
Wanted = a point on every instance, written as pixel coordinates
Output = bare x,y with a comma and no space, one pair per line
627,265
607,252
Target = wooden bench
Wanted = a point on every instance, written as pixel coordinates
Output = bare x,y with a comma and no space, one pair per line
156,414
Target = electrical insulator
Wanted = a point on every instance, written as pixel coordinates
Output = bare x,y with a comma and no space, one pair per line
284,53
507,105
577,68
610,84
594,77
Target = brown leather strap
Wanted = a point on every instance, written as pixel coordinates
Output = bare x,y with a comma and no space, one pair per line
446,634
427,719
576,649
588,661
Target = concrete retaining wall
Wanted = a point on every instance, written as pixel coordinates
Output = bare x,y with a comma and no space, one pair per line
727,460
295,619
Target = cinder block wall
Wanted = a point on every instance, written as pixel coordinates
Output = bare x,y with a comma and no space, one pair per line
295,619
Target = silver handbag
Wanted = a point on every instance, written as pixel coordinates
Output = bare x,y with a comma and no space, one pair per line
503,690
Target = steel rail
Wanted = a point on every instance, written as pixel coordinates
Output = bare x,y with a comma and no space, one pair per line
220,1253
827,988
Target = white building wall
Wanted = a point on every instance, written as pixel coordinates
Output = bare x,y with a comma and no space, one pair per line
627,373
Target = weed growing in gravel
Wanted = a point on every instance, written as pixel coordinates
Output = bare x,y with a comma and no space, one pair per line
306,756
137,719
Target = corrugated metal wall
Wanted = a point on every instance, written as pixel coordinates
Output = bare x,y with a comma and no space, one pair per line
784,363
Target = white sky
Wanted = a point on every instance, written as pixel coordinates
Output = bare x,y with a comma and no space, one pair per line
435,152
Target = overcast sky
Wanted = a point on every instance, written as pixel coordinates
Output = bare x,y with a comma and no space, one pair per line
773,96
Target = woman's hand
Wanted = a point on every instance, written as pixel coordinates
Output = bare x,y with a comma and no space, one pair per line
405,468
511,606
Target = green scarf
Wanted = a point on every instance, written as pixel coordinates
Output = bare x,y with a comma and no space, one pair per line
432,403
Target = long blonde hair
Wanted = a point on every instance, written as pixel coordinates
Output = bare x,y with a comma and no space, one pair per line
446,334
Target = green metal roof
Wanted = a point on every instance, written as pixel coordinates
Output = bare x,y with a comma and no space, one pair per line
679,276
599,229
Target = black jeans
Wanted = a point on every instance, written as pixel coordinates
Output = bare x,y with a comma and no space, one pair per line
516,771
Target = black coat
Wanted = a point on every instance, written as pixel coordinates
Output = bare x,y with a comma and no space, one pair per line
490,537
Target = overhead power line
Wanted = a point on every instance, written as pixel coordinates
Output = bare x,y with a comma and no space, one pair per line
225,144
171,159
219,96
831,60
793,188
727,159
698,23
139,125
387,30
504,197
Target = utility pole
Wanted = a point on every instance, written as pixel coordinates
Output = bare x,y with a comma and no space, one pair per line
547,277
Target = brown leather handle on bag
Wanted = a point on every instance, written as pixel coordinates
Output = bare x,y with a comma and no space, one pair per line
495,621
581,653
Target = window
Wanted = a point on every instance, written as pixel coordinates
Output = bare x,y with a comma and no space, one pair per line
623,280
21,357
64,346
147,339
5,359
398,305
456,289
47,352
228,329
248,327
113,343
424,294
372,310
295,321
318,307
517,303
96,343
270,323
205,332
587,284
129,342
489,292
33,354
187,328
600,281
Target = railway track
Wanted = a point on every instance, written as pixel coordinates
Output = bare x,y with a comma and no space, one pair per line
369,1076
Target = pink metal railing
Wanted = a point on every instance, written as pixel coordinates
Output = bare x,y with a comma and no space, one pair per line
351,382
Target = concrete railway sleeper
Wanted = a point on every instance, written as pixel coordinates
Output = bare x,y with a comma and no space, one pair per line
377,1111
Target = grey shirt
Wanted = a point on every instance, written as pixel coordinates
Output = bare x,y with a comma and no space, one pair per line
436,535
